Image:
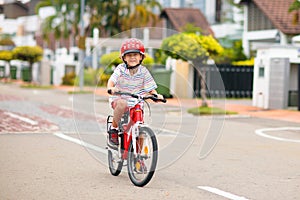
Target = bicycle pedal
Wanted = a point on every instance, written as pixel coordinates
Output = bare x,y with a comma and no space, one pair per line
112,147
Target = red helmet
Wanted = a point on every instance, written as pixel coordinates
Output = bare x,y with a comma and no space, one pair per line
132,45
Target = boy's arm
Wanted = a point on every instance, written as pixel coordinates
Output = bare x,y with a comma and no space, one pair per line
158,95
111,86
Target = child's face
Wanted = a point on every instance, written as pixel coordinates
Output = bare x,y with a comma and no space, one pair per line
133,59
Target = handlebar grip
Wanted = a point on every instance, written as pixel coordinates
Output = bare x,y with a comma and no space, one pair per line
134,95
164,100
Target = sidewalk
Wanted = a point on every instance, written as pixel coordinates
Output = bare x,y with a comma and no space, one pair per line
242,107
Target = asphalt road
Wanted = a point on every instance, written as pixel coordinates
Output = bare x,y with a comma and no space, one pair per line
52,146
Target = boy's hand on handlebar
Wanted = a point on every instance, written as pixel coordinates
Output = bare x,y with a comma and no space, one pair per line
112,90
159,96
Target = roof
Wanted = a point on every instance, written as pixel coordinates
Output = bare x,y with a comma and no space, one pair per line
277,12
179,17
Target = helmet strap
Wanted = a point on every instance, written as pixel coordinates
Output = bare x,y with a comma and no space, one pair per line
132,67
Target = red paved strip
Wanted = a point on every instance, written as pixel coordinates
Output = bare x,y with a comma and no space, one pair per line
10,98
9,124
67,113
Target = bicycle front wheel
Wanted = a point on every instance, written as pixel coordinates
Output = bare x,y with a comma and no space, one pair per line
114,162
142,163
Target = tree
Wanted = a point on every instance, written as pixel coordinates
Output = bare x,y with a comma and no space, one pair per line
7,42
295,6
62,23
31,54
110,16
191,28
139,13
113,59
194,48
6,56
231,53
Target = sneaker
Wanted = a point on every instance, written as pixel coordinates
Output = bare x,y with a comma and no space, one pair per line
113,137
140,167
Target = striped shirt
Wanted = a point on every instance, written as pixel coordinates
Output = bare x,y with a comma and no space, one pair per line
140,83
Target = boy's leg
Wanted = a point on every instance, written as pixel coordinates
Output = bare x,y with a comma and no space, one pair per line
119,107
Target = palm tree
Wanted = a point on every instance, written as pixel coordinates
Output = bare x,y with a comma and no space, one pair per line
140,13
61,24
295,6
109,16
105,15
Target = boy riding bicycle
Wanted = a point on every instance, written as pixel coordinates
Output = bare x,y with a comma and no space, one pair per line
132,77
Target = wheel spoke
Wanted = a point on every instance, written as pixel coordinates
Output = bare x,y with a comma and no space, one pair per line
142,166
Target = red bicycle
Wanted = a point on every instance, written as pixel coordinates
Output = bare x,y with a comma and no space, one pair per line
138,144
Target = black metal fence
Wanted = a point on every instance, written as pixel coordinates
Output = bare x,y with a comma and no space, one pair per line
237,81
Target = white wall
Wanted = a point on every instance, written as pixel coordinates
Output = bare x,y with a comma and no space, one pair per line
271,90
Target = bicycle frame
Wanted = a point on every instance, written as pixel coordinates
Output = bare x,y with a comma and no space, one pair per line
138,142
131,129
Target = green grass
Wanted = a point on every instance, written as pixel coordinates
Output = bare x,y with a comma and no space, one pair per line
33,86
80,92
204,110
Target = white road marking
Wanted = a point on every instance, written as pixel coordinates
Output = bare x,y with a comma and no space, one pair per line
165,132
222,193
261,132
24,119
80,142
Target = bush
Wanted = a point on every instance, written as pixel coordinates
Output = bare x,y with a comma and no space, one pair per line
6,55
110,59
234,52
92,77
7,42
244,62
113,59
31,54
103,77
69,79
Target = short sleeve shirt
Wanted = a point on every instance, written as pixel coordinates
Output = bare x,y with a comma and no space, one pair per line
140,83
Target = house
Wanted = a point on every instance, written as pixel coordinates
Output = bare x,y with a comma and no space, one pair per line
13,9
269,31
178,18
267,22
19,20
172,19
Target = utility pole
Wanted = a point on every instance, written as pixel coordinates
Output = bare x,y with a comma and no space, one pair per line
81,46
95,50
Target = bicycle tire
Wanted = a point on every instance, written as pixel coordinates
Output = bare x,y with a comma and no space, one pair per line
115,168
153,156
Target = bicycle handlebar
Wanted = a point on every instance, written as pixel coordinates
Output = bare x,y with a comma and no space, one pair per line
153,97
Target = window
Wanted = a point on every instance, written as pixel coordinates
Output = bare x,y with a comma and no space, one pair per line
218,11
261,69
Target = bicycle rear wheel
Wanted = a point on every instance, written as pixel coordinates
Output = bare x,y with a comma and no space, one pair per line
141,166
114,162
